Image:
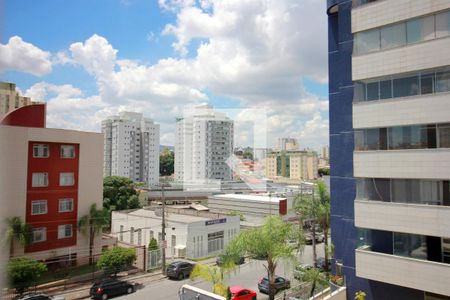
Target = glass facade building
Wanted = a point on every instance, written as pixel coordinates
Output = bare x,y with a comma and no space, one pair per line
389,97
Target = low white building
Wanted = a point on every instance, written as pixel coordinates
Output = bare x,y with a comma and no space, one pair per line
186,235
261,205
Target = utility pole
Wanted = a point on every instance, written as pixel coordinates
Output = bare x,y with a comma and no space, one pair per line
163,230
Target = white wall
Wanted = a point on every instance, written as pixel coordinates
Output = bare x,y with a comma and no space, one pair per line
184,232
421,56
403,271
390,11
418,163
198,229
402,111
424,219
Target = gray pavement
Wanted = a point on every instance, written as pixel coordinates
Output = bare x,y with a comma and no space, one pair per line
246,275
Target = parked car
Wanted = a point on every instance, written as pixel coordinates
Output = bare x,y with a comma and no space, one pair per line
110,287
238,260
179,269
300,270
240,293
37,296
280,283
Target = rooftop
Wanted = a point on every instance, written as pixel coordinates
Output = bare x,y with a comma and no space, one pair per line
171,217
248,197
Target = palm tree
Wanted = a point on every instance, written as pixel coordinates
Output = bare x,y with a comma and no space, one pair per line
213,274
92,224
268,242
307,207
17,231
324,217
314,277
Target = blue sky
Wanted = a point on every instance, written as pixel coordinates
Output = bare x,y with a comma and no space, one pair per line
164,55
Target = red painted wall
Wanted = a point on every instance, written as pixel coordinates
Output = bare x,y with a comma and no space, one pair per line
283,207
53,165
26,116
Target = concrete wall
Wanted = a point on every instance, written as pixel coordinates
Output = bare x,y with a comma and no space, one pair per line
418,163
421,56
402,111
404,271
385,12
430,220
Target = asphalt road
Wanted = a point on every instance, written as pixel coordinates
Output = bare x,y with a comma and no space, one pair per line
247,275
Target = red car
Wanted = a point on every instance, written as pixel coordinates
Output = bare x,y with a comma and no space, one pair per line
240,293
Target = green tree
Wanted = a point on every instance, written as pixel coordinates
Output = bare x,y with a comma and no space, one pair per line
166,162
247,154
92,224
314,277
17,231
268,241
360,295
324,171
116,259
23,272
237,213
308,208
324,217
119,193
153,244
213,274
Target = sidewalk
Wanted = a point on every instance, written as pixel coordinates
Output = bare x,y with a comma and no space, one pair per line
140,280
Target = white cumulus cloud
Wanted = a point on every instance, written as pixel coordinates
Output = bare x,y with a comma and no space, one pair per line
18,55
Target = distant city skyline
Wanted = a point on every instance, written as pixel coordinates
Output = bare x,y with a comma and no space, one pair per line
159,57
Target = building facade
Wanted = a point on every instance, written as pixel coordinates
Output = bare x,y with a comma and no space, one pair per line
186,235
204,143
10,99
131,147
293,165
390,146
49,178
248,204
288,144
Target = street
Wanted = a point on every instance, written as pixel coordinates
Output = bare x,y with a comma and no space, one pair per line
247,275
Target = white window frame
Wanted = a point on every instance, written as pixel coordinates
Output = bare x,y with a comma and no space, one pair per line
62,228
38,181
38,204
43,150
63,179
43,231
65,200
63,150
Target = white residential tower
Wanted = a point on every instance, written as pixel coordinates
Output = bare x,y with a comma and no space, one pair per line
131,147
204,142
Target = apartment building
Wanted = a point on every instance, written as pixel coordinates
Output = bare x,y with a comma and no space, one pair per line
294,165
49,178
10,98
389,84
204,143
131,147
288,144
